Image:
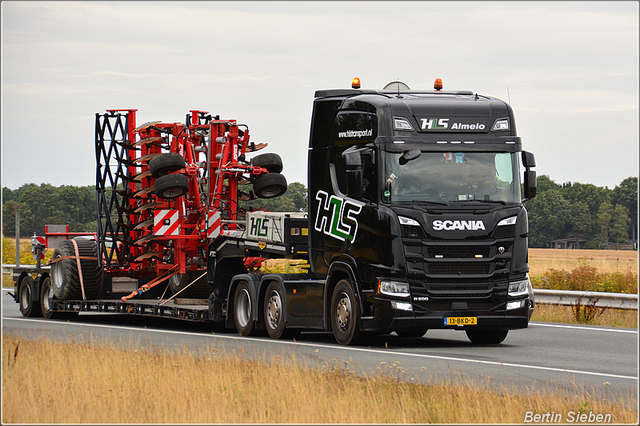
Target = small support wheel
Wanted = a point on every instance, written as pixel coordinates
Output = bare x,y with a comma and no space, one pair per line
243,309
169,187
165,163
344,315
270,185
271,162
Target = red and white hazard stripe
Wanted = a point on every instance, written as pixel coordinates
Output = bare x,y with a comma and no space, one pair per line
165,222
213,223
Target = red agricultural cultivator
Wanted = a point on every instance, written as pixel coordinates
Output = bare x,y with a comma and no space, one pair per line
167,190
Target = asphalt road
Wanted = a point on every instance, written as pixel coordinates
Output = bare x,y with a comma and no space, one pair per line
544,357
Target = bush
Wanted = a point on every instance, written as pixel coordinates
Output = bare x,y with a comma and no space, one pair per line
592,245
587,278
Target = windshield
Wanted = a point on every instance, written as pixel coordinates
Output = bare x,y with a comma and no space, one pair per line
450,177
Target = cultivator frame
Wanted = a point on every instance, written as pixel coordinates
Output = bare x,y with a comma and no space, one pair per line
165,191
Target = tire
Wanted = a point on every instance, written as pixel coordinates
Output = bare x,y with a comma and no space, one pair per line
486,337
243,309
274,313
198,290
344,315
162,164
271,162
169,187
65,280
416,332
46,295
270,185
28,307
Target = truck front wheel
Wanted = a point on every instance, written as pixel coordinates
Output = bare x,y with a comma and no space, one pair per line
486,337
243,309
344,315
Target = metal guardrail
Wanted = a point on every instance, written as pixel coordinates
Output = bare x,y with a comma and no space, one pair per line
544,296
597,298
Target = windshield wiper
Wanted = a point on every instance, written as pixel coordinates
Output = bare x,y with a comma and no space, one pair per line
440,203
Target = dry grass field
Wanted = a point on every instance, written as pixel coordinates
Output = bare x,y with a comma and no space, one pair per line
59,382
605,261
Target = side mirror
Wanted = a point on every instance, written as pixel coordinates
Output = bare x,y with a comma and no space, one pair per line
528,159
530,184
409,155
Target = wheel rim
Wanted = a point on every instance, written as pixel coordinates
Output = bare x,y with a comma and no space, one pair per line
243,308
25,296
274,310
271,191
48,295
172,193
57,273
343,312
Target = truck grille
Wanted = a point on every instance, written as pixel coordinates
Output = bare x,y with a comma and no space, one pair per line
452,268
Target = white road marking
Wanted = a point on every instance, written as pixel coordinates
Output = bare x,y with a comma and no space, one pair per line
345,348
578,327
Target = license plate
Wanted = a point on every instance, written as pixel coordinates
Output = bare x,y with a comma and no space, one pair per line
460,320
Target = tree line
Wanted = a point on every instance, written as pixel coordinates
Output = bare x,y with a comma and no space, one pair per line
76,206
584,211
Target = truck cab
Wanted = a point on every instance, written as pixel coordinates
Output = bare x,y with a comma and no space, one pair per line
417,197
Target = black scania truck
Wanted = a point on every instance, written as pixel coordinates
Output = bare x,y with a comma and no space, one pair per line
416,213
415,221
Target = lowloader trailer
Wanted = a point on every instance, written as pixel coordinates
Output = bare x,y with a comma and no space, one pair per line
415,221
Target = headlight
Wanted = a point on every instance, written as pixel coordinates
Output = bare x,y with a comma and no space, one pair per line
393,288
508,221
519,288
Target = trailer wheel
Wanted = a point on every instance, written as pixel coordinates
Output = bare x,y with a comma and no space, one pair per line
169,187
65,279
344,315
162,164
274,310
46,296
28,307
243,309
198,290
486,337
270,185
271,162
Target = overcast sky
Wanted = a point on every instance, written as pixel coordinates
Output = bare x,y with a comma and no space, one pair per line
569,69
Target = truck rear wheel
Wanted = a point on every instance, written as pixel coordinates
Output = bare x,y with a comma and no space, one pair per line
270,185
243,309
274,310
486,337
65,278
28,307
344,315
169,187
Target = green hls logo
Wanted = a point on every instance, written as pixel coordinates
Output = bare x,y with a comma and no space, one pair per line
337,217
